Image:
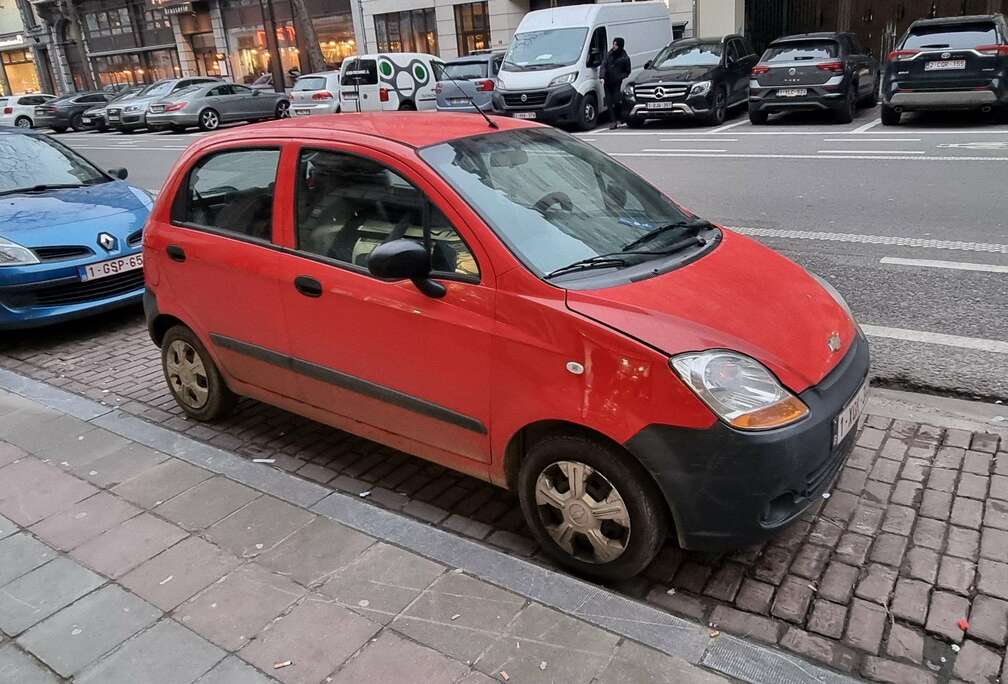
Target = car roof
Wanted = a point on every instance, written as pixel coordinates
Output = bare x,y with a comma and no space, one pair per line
820,35
478,57
944,21
414,129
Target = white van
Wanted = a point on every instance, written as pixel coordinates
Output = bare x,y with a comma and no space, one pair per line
550,71
389,81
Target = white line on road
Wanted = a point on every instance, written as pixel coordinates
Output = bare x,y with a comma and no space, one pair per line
975,343
895,156
870,124
873,239
731,125
718,139
862,141
937,263
672,149
872,152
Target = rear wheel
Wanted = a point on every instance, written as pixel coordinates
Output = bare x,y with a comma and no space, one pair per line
846,113
59,129
757,118
407,106
23,122
77,123
282,110
871,99
635,121
193,377
209,120
591,507
890,117
588,114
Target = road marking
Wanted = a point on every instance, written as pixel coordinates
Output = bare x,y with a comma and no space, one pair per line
870,124
699,140
894,155
975,343
925,243
679,150
872,152
731,125
937,263
862,141
989,145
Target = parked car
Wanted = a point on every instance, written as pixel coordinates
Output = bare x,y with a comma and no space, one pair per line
66,112
208,105
316,94
467,81
19,110
550,70
418,279
696,77
70,234
130,114
949,63
94,118
828,72
389,82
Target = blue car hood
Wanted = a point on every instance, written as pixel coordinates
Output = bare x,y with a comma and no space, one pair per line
73,216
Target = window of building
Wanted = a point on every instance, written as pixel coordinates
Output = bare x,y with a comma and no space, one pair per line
472,23
412,31
155,19
336,37
20,70
105,24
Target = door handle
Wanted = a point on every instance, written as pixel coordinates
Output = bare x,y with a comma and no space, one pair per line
175,253
308,286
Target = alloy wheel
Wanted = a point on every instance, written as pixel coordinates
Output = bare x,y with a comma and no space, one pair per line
589,111
187,375
210,120
720,107
582,511
283,110
23,122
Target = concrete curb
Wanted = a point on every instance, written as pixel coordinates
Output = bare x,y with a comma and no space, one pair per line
628,618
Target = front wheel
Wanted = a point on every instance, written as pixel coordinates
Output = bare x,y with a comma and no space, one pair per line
635,122
588,114
757,118
719,112
193,377
209,120
77,123
591,507
890,117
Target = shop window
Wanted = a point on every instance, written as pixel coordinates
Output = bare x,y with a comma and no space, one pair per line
472,24
412,31
336,37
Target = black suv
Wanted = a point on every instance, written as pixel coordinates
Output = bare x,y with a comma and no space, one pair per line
67,111
698,77
827,72
952,63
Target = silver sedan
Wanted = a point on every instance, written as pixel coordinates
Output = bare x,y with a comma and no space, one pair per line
209,105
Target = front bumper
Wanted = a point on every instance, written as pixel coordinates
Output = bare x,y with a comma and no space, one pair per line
818,99
727,488
552,105
168,119
128,121
696,106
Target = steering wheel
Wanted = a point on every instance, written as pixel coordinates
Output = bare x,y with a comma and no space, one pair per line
549,199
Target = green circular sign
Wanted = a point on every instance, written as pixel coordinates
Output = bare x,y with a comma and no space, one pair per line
420,72
385,68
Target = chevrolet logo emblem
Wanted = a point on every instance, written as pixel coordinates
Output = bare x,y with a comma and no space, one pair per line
834,342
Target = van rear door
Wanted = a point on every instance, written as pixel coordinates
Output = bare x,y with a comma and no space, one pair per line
359,85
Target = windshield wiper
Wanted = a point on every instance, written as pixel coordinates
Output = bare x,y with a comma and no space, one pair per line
616,259
693,227
42,187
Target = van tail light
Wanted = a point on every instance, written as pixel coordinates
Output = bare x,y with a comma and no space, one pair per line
8,110
383,94
322,95
485,85
993,50
832,67
903,55
175,106
760,69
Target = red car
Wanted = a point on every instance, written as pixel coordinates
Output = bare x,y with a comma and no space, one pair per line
509,302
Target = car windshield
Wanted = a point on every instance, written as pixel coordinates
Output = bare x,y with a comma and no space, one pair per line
956,37
696,54
461,71
310,83
553,199
544,49
159,89
28,161
129,92
804,50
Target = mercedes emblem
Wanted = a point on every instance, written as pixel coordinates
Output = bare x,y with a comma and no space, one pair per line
659,93
106,241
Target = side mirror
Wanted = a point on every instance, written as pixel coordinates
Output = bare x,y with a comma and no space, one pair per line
120,173
257,92
403,258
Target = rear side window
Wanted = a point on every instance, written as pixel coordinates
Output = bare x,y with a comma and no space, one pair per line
230,192
806,50
461,71
360,72
310,83
955,37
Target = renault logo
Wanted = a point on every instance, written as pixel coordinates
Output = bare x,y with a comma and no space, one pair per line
659,93
834,342
106,241
524,97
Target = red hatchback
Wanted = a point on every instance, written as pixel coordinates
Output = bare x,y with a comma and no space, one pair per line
512,303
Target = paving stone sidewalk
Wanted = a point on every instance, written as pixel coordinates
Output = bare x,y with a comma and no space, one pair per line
121,564
872,582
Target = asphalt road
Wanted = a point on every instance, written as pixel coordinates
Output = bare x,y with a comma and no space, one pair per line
909,223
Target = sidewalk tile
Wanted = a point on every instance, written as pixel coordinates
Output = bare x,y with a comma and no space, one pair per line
236,608
70,450
637,664
10,453
167,653
316,551
206,503
84,520
316,636
476,677
390,659
37,595
988,620
234,670
21,553
120,465
160,483
6,527
573,651
82,632
483,613
258,527
17,667
382,581
31,490
122,548
174,575
40,434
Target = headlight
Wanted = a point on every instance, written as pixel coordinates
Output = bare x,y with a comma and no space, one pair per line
833,293
628,91
563,80
135,108
13,254
700,88
740,390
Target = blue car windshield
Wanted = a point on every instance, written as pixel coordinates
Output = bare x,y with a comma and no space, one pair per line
30,161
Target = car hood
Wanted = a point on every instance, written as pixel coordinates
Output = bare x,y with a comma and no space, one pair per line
534,78
677,74
73,216
741,296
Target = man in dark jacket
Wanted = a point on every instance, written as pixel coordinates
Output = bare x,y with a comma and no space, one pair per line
615,68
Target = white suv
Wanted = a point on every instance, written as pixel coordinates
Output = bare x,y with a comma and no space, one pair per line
19,110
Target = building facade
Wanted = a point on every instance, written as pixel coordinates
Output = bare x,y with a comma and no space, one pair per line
24,62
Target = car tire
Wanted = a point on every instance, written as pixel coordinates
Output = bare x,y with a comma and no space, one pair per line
845,114
594,547
635,122
101,128
757,118
24,122
407,106
890,117
59,129
77,123
282,110
871,99
193,378
209,120
719,112
588,113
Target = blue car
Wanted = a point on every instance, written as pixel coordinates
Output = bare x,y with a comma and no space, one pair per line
70,234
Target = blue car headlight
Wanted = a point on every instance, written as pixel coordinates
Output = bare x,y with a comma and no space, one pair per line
13,254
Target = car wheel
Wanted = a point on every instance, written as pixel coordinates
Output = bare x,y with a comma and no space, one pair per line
23,122
101,127
209,120
591,507
871,99
757,118
193,377
407,106
720,110
635,122
588,115
846,113
890,117
59,129
282,110
77,123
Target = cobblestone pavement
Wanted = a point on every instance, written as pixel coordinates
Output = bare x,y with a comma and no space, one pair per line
901,575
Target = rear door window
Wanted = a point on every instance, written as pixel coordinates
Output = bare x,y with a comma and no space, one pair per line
954,37
800,51
360,72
